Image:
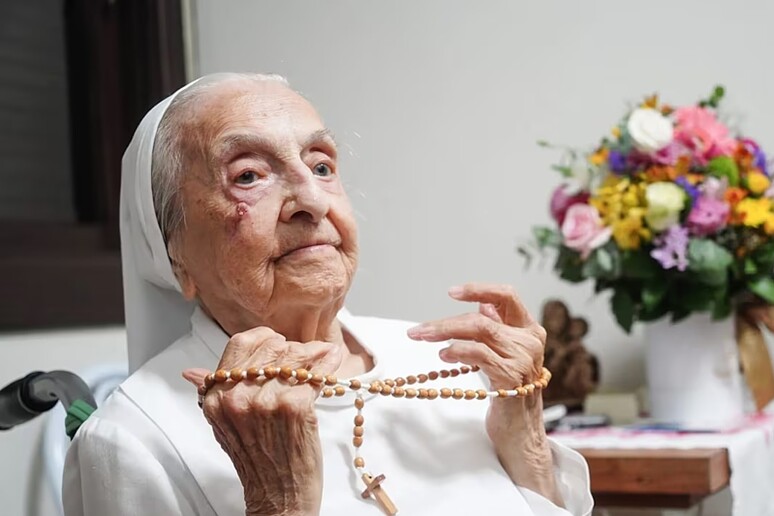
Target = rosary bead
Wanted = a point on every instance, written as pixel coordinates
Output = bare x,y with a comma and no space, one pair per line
433,375
481,393
464,369
422,394
521,391
359,403
285,373
386,390
270,372
454,372
475,368
202,390
458,394
253,373
359,462
444,373
446,393
530,388
389,382
359,420
339,390
501,393
221,376
411,393
400,382
209,380
330,380
236,374
411,379
357,441
398,392
355,384
375,388
469,395
327,392
422,378
317,379
302,375
432,394
358,431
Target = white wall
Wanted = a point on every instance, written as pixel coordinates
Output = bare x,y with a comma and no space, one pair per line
438,105
22,490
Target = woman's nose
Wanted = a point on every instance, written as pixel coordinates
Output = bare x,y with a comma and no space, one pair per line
305,199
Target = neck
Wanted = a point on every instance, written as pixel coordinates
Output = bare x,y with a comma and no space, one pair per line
300,324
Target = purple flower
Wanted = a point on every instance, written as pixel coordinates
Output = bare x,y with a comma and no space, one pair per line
672,248
714,187
759,157
708,216
691,190
616,161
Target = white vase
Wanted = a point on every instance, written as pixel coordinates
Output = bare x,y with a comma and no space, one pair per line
693,372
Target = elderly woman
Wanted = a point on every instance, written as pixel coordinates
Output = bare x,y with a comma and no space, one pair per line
239,247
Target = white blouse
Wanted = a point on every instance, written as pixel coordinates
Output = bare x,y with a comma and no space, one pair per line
149,450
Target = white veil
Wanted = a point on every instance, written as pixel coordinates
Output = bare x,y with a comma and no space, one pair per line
156,312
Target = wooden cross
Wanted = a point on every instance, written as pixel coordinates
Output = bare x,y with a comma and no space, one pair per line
374,488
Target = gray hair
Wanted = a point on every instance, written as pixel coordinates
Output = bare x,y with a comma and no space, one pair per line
168,160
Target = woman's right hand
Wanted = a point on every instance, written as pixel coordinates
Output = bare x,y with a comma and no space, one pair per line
269,431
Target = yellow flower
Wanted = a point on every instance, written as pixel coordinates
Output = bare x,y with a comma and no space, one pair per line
768,226
753,212
599,157
630,232
616,132
757,183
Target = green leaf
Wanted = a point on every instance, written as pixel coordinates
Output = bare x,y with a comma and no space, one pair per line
749,266
763,286
562,169
652,293
569,265
546,237
623,308
722,308
763,256
639,265
706,256
724,166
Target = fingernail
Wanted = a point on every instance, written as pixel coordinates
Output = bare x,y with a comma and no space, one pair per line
416,332
456,291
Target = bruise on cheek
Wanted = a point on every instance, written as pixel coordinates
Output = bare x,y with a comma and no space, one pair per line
241,211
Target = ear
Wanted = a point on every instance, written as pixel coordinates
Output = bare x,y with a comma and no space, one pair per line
186,281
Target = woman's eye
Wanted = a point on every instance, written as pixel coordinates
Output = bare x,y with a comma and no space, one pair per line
247,177
322,170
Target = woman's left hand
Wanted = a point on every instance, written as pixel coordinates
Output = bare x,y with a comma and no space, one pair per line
502,338
508,345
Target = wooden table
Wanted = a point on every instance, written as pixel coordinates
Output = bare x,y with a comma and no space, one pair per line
665,478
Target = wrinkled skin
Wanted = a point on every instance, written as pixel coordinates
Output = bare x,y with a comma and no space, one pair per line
269,250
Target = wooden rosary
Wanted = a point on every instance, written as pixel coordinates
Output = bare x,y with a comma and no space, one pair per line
332,386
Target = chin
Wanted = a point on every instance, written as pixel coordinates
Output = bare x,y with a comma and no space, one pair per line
319,289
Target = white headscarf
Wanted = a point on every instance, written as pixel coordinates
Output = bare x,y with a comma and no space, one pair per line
156,312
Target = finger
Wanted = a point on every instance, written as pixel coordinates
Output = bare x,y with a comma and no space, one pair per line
241,346
320,357
477,354
490,311
503,297
195,376
473,326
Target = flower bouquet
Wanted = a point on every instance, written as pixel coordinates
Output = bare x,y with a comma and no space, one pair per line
671,211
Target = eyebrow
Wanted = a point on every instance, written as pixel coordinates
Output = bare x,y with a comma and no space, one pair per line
252,140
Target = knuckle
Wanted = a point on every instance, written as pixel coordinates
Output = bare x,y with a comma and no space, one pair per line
540,333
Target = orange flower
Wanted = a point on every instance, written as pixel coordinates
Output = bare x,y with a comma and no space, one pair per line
659,173
600,156
734,195
683,165
650,102
744,158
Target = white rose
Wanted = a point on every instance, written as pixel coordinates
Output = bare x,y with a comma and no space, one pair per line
650,130
580,177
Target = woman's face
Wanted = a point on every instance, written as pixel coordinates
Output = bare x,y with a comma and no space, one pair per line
268,226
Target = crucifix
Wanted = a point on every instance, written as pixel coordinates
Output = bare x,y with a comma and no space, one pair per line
374,489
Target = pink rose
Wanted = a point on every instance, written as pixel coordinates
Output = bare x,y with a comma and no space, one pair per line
708,216
561,201
583,230
700,131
